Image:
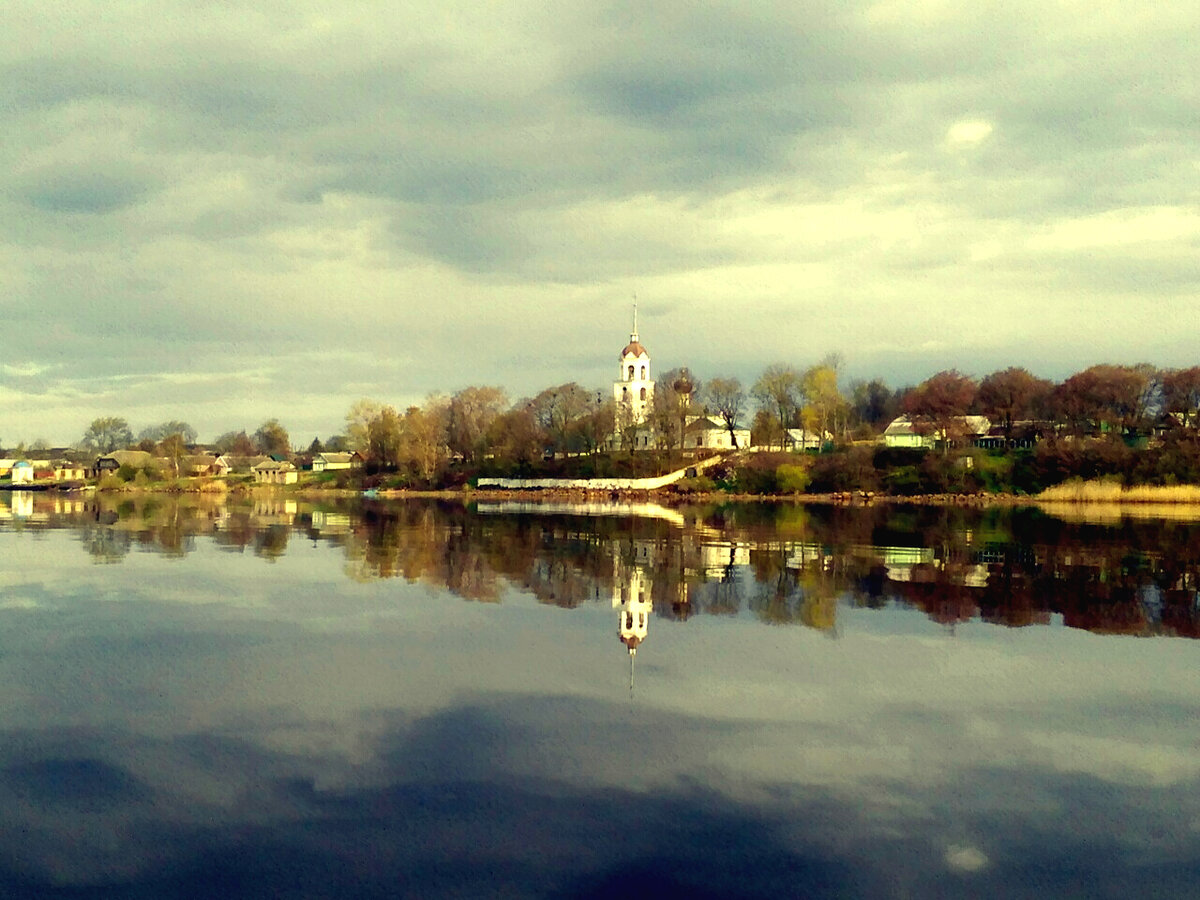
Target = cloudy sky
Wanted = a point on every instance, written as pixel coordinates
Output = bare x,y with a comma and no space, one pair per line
225,211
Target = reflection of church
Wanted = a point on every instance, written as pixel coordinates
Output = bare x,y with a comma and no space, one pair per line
631,597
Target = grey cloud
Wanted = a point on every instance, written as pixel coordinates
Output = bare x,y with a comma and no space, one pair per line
85,188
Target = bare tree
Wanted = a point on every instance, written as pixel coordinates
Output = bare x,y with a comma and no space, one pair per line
107,434
726,398
780,391
470,416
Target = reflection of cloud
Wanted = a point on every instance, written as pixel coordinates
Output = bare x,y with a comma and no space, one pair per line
962,858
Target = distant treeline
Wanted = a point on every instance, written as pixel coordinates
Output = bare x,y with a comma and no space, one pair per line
1135,423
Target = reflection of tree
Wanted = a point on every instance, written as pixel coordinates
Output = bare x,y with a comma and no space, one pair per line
271,542
104,543
1013,568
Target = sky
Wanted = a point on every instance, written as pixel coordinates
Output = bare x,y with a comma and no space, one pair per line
222,212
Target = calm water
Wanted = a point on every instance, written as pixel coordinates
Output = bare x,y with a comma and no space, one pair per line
422,700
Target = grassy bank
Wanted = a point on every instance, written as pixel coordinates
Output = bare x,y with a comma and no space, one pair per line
1106,491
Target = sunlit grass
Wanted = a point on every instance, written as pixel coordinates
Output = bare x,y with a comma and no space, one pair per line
1076,491
1110,501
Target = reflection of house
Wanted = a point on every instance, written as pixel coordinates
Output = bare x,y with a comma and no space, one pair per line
271,471
717,559
332,462
707,433
328,523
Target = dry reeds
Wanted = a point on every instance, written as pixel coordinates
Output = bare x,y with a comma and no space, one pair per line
1077,491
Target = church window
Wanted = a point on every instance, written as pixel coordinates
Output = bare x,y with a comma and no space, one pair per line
631,373
643,393
643,373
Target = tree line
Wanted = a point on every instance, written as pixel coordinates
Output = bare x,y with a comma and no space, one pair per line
481,428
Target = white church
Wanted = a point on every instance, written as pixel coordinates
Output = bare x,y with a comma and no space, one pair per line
633,394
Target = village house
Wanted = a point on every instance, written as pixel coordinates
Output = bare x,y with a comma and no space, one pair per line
708,433
800,439
65,470
272,471
903,432
333,462
111,462
22,472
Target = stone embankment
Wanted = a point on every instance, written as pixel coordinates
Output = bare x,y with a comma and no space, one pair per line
597,484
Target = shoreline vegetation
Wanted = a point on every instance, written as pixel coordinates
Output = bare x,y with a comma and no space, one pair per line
1128,435
1166,500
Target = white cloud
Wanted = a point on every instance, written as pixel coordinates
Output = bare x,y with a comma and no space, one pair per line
968,133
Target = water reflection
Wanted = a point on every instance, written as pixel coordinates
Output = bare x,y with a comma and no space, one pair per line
290,699
780,564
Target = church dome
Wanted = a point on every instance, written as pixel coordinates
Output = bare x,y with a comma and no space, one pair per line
634,348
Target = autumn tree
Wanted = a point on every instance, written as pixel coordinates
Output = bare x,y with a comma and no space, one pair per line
725,398
237,443
358,421
423,440
173,447
826,408
516,439
1181,394
596,427
163,430
107,434
1011,395
470,415
938,403
559,412
780,391
1106,396
673,395
384,437
272,438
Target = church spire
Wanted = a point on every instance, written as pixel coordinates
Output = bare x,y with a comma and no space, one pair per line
633,335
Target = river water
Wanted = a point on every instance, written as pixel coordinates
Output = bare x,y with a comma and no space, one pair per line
431,700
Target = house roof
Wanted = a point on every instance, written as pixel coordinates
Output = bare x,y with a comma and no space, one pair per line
335,457
273,465
903,425
705,423
128,457
634,348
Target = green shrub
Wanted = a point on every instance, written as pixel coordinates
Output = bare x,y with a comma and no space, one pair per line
791,478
